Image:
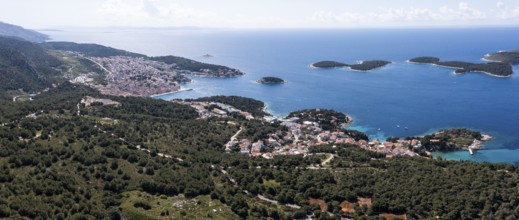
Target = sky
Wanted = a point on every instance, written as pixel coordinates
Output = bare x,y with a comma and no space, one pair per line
259,13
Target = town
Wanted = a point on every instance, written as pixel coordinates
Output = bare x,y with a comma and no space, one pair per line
136,76
299,137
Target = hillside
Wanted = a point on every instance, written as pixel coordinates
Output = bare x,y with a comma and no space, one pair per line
71,152
22,33
181,64
25,65
152,159
199,68
91,50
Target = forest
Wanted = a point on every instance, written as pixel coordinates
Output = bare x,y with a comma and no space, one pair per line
25,65
271,80
361,66
368,65
109,162
328,64
494,68
511,57
195,66
252,106
327,119
152,159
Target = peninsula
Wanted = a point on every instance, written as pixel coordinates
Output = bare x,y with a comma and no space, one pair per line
71,152
360,66
271,80
22,33
454,139
122,73
493,69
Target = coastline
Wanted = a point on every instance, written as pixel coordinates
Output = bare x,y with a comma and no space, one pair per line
454,72
258,82
172,92
364,71
314,67
486,73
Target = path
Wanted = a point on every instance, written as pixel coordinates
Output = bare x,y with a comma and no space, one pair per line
233,138
102,67
327,160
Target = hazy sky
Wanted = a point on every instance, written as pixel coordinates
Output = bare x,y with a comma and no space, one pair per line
259,13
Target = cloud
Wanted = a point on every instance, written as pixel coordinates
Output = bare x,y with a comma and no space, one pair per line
347,17
462,13
151,13
507,13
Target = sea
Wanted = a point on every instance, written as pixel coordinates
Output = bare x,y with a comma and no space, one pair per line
400,100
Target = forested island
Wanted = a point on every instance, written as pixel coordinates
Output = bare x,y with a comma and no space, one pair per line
493,68
368,65
361,66
271,80
328,64
511,57
70,151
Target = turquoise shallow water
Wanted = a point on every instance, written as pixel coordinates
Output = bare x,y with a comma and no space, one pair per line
421,97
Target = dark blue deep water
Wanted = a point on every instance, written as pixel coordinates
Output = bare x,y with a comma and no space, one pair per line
421,97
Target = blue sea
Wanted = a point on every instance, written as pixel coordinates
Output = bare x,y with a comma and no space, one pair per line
422,98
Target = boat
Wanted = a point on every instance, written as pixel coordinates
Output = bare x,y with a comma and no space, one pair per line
207,55
397,126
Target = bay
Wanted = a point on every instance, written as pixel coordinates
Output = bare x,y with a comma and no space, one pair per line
422,98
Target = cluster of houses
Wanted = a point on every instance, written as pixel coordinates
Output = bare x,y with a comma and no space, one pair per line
298,138
391,149
132,76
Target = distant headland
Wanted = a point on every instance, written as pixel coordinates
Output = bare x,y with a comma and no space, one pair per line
511,57
363,66
271,80
497,69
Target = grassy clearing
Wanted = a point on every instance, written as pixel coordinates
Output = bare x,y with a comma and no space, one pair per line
141,205
271,183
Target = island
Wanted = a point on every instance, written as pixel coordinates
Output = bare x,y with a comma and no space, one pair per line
492,69
368,65
511,57
362,66
328,64
71,152
271,80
